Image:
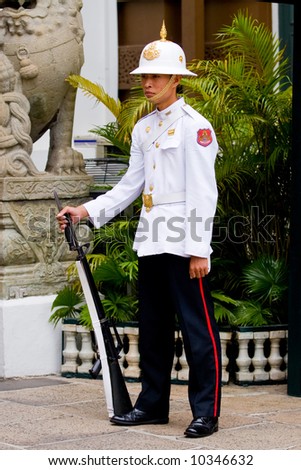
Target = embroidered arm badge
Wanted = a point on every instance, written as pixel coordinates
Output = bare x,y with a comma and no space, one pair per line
204,137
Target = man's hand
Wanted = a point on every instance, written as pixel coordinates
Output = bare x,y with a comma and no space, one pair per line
198,267
76,214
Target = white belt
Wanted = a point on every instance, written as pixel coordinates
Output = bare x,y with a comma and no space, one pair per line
150,200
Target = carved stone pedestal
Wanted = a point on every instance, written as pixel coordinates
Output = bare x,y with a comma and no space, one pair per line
33,253
33,260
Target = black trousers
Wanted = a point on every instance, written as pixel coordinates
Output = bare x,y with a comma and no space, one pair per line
166,290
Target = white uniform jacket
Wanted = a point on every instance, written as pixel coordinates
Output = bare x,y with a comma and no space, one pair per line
172,158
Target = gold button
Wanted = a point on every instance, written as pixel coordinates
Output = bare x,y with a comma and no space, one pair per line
147,129
157,145
151,188
161,123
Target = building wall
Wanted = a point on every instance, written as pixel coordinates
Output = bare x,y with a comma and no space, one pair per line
220,12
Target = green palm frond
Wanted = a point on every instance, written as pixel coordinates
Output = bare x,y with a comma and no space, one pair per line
110,133
68,303
232,179
85,319
266,279
91,89
132,110
117,236
223,314
131,269
263,52
110,271
251,313
120,307
116,307
95,260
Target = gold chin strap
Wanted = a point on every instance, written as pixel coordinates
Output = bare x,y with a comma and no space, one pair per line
155,98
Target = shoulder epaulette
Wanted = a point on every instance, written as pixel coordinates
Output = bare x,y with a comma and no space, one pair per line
189,110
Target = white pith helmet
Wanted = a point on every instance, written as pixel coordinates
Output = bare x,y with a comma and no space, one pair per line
162,57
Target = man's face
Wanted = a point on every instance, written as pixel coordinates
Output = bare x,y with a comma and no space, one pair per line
154,84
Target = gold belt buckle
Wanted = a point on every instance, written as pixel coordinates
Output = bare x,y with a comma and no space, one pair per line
147,201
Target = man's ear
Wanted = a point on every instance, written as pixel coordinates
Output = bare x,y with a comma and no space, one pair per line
178,84
178,79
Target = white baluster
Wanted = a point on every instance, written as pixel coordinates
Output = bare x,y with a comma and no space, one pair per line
70,351
259,360
86,354
184,371
225,337
243,360
275,359
132,357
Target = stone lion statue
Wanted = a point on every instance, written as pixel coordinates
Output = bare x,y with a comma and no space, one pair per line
43,41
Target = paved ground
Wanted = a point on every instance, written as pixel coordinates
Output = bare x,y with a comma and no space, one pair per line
59,413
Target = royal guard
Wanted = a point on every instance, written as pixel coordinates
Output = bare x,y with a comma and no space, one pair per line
171,165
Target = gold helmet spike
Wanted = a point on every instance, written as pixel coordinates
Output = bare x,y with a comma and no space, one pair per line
163,32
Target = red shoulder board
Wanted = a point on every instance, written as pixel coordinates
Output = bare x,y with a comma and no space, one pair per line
204,137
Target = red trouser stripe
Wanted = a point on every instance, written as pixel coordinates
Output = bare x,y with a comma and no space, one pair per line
214,347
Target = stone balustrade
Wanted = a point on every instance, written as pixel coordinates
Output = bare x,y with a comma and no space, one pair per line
262,355
250,356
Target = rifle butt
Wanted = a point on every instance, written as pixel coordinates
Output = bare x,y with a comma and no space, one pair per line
121,399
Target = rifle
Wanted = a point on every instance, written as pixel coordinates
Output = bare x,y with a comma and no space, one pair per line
116,394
